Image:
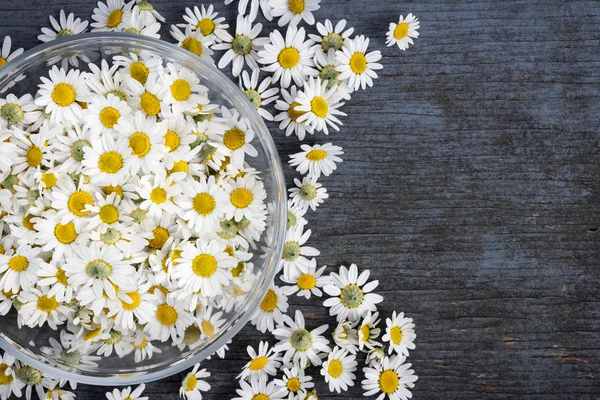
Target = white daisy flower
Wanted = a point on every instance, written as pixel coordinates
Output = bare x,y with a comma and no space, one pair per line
68,26
33,151
71,201
345,336
133,307
38,308
299,344
147,12
306,280
330,36
7,152
67,150
21,226
144,349
138,24
338,370
308,193
272,308
375,356
178,139
202,204
184,92
403,32
294,11
56,393
246,199
55,278
139,67
317,159
254,5
18,112
356,64
111,16
144,137
210,322
60,94
127,393
61,239
351,294
289,115
391,378
320,106
243,47
368,331
9,385
126,191
33,378
294,251
206,21
192,386
265,362
193,41
19,269
258,389
326,68
106,212
259,95
400,334
106,115
6,56
203,267
288,58
169,320
295,215
157,193
294,383
147,97
106,79
236,138
161,229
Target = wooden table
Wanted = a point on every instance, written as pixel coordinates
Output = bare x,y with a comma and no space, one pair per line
469,187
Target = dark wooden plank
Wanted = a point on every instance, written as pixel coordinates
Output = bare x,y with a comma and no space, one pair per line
469,188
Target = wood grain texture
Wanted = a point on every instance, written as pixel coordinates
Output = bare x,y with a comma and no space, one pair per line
469,187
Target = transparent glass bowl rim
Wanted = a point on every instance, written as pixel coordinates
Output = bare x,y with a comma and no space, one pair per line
36,55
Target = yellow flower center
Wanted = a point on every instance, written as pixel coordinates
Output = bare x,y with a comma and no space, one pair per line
316,155
114,18
191,383
204,265
237,270
293,385
269,302
319,107
179,166
34,156
150,103
296,6
66,233
258,363
166,314
358,63
161,288
192,45
2,62
171,140
77,202
365,331
181,90
61,276
208,328
388,381
306,281
5,379
396,334
204,203
260,396
293,113
114,189
92,334
334,369
139,71
206,26
135,301
109,116
110,162
2,251
234,138
18,263
288,57
158,195
27,222
241,198
109,214
63,94
401,31
48,179
142,344
161,235
139,143
47,304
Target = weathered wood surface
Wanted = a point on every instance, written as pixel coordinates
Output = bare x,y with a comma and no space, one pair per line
469,187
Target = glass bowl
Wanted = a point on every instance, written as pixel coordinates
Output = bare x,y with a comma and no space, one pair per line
26,344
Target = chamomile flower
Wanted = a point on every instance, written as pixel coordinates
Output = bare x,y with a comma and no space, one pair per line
106,212
205,20
345,336
147,97
56,393
326,68
147,12
368,331
295,216
299,344
38,308
192,385
70,201
60,94
61,239
33,378
289,115
106,79
169,320
294,11
259,95
330,36
18,111
262,363
306,280
317,159
139,67
258,388
392,379
320,106
20,268
203,267
294,251
243,47
55,277
403,32
111,16
185,90
33,151
287,58
210,322
133,307
236,138
67,150
126,191
157,193
127,393
351,294
66,26
178,139
143,347
375,356
105,115
108,162
6,56
193,41
308,193
356,64
202,204
9,385
338,370
271,310
246,199
294,383
399,333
